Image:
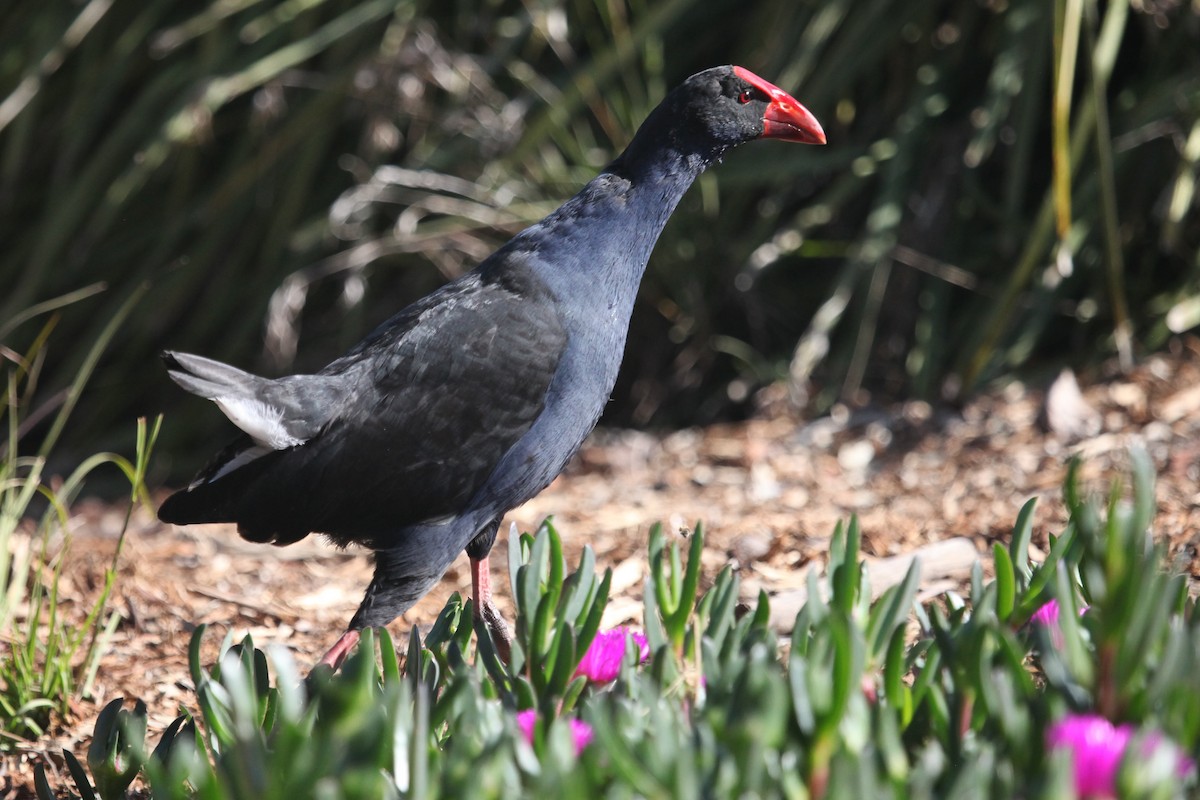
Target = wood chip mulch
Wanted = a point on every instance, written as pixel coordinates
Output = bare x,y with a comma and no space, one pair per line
769,492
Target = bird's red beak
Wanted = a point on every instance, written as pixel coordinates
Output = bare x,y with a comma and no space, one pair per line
784,118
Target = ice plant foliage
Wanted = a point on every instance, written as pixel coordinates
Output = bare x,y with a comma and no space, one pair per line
771,722
1097,746
602,661
581,732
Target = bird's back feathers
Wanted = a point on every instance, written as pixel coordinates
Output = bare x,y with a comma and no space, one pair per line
403,429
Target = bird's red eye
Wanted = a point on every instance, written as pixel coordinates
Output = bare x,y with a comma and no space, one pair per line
744,97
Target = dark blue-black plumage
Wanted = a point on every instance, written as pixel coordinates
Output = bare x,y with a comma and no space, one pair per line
471,400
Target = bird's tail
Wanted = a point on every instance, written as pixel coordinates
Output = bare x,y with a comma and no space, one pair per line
277,413
210,379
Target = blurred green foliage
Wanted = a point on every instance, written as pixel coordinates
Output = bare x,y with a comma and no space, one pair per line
1006,181
48,662
857,702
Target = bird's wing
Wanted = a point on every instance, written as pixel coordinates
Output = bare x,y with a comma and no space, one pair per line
429,403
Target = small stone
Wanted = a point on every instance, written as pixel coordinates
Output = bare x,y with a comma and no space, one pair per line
1157,432
1066,412
1129,396
856,456
764,485
751,547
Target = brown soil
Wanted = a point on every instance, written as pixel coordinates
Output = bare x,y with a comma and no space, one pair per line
769,492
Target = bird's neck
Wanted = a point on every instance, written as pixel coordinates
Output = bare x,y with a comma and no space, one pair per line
595,247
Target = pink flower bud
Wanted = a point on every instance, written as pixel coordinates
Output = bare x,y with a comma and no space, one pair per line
580,730
602,661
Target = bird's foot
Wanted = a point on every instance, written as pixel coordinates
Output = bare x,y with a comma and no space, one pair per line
497,628
341,648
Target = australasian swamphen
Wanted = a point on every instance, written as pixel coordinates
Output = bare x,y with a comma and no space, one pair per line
471,400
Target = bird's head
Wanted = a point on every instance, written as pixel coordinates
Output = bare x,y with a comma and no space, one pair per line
711,112
730,105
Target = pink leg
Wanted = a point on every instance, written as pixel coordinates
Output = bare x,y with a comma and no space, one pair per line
485,609
341,648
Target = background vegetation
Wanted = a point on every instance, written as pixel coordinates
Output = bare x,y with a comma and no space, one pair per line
1006,181
50,659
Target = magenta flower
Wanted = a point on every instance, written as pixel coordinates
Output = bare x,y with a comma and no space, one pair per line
602,661
1047,617
527,721
582,733
1097,746
1047,614
580,730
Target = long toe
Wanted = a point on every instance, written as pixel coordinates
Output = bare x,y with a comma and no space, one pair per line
497,628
